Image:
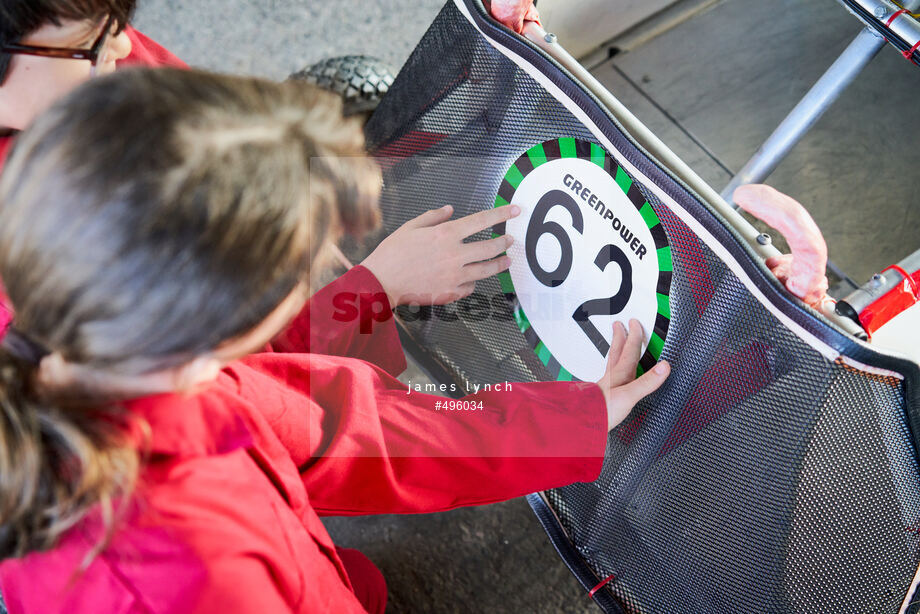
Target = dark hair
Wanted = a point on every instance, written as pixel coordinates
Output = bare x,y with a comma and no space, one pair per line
19,18
146,218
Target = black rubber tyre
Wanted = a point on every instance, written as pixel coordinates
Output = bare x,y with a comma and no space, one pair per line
360,80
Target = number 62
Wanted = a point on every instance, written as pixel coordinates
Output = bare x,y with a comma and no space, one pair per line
538,227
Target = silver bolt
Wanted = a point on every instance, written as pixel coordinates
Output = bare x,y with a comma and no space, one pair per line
880,12
550,38
877,280
764,239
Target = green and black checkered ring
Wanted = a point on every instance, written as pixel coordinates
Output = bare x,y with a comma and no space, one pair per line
575,148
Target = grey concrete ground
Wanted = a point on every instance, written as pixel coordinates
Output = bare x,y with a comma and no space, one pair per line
726,76
273,38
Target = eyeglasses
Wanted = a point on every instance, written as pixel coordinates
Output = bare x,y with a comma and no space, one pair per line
97,54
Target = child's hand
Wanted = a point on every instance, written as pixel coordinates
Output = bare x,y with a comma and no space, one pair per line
513,13
426,261
802,272
620,387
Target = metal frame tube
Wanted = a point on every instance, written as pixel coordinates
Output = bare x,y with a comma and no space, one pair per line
828,88
881,284
876,13
809,109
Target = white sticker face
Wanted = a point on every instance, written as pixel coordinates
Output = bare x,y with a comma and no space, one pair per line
584,257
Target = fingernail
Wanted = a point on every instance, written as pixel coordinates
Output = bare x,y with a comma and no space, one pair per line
515,210
661,368
509,239
445,207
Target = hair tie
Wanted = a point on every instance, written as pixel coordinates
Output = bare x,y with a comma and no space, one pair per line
22,347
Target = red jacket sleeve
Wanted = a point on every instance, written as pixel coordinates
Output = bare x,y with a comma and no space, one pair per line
366,444
144,570
349,317
239,584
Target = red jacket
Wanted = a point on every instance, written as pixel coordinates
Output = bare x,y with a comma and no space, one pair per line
226,518
144,52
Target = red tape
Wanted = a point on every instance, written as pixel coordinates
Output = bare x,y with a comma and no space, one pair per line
907,276
601,584
909,54
894,16
904,295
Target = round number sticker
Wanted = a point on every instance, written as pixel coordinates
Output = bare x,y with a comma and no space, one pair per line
589,250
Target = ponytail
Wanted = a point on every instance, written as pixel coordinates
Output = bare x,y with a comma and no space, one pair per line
56,463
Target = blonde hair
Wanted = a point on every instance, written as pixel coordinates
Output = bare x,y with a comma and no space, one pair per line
145,219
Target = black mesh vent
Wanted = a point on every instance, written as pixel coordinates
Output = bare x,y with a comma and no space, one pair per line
761,478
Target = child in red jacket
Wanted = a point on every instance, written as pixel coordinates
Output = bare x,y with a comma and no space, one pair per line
156,455
47,48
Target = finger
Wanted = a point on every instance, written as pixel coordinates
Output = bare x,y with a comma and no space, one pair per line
641,387
809,251
511,12
431,217
417,300
455,294
613,355
481,270
625,369
780,266
779,211
616,343
464,290
477,222
486,250
778,261
532,15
